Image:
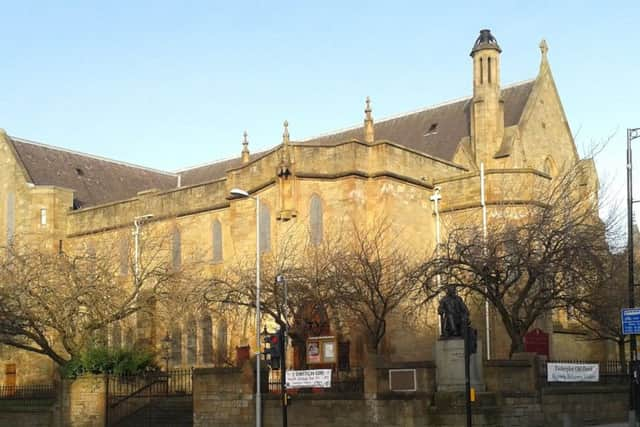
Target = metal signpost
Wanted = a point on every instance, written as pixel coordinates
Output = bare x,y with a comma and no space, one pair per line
631,326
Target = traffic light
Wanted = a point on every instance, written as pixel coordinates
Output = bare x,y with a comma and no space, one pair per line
273,353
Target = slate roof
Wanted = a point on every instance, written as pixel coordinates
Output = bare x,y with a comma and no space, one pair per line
435,131
215,170
94,179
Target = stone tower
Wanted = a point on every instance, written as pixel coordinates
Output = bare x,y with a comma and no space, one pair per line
487,107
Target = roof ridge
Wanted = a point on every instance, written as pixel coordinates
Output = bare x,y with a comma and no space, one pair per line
226,159
91,156
409,113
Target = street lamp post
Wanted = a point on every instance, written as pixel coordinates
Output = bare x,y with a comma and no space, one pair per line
242,193
166,351
280,280
631,135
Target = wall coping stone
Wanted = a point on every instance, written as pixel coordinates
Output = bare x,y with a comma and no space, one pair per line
407,365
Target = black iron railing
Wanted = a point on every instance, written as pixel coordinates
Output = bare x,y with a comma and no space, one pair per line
28,392
611,372
348,381
128,394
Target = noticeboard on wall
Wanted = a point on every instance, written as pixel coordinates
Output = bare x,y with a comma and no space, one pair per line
321,350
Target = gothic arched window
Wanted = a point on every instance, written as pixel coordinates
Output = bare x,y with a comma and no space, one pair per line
315,220
191,341
176,345
221,342
265,228
116,336
206,340
216,234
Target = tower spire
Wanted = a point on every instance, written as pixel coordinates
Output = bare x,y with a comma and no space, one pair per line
369,134
245,147
487,108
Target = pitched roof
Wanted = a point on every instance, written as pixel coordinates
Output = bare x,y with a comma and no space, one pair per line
95,180
214,170
436,130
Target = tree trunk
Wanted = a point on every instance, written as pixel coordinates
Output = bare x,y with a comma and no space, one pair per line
517,344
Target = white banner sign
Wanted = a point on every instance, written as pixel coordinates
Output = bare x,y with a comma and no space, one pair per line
573,372
320,378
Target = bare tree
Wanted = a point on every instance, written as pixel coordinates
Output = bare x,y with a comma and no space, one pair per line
599,311
541,257
55,303
374,277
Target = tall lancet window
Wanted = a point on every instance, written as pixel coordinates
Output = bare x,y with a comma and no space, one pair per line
206,338
176,249
176,345
315,220
216,235
191,341
265,228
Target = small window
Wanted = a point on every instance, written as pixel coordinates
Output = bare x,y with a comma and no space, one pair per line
433,129
43,216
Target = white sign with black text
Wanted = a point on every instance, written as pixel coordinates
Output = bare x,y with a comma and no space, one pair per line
319,378
573,372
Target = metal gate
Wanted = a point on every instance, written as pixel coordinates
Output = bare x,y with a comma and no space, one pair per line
137,395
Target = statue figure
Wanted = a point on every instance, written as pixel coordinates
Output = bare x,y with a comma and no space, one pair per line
453,314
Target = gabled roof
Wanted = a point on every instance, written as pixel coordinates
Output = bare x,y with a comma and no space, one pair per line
436,130
95,180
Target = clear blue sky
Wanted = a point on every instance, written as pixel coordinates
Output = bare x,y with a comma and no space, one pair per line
172,84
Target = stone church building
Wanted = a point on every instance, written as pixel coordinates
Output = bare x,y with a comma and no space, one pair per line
387,167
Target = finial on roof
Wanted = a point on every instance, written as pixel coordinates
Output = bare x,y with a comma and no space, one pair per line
544,48
369,134
285,135
245,147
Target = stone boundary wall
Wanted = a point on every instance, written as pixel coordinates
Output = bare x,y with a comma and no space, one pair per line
28,414
223,397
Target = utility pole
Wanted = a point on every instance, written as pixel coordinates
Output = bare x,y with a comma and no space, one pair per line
631,135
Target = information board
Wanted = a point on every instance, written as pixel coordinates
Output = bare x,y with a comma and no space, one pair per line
316,378
573,372
630,321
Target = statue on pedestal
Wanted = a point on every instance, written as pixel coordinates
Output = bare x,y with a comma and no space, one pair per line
454,315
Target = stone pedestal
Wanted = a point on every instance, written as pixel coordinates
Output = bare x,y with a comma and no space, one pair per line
450,366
